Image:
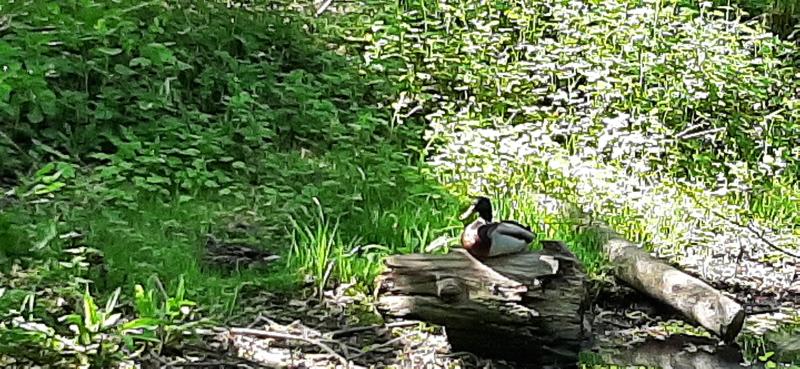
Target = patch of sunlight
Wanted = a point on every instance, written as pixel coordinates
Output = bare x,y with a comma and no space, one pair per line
673,218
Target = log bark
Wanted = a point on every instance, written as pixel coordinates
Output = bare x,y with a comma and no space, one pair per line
694,298
529,307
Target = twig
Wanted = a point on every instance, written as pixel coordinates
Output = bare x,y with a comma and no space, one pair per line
261,319
385,344
346,331
285,336
14,144
689,129
748,227
208,354
161,288
701,133
759,234
463,353
404,323
203,363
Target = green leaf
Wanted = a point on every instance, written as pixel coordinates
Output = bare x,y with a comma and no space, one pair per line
47,102
137,62
181,290
109,51
190,152
103,113
158,53
123,70
51,178
67,170
154,179
52,233
72,318
142,323
183,66
5,92
112,301
49,167
146,338
89,309
35,115
111,320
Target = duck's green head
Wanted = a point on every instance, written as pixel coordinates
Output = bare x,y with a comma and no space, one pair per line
481,205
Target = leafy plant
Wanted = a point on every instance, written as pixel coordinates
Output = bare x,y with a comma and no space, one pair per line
160,320
95,343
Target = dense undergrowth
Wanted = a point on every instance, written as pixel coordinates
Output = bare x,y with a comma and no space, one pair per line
146,126
131,130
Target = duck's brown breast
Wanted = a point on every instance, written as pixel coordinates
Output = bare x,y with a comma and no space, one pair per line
472,242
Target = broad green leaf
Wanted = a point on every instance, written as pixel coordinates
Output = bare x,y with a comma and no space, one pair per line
190,152
109,51
111,304
5,92
123,70
89,309
157,179
103,113
47,102
51,234
67,170
55,186
183,66
140,323
111,320
139,62
49,167
35,115
72,319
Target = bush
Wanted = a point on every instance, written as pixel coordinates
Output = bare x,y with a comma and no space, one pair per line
167,92
660,89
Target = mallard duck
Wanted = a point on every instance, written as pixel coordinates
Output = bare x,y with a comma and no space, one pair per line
484,238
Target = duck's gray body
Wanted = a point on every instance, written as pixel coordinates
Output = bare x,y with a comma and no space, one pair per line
508,238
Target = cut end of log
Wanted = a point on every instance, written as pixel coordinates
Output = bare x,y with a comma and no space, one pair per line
730,332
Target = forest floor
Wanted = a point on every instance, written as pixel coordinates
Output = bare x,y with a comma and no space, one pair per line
341,327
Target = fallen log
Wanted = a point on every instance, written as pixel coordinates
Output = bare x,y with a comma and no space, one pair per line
529,307
694,298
